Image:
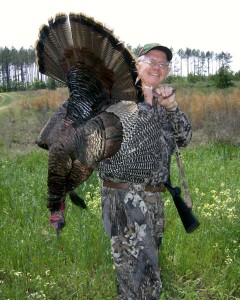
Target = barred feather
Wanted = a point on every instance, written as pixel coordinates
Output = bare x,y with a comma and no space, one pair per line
142,144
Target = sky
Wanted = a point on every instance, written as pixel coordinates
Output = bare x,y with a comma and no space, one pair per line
206,25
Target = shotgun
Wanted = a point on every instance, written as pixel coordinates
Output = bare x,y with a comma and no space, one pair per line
184,208
190,222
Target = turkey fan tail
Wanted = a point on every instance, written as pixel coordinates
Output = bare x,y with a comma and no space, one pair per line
78,41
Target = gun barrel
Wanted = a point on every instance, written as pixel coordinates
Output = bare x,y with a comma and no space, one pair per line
189,221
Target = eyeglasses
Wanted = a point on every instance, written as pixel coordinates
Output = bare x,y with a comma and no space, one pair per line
154,63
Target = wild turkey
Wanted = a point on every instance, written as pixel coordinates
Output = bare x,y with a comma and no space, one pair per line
99,72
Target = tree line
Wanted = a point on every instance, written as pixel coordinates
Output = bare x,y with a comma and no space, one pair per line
19,71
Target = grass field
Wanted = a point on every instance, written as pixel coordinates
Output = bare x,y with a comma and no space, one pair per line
35,265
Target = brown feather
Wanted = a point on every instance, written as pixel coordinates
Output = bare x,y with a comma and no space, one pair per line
79,40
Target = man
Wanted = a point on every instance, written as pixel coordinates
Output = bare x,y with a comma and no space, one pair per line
132,206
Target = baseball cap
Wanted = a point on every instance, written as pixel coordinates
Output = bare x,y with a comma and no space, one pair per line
146,48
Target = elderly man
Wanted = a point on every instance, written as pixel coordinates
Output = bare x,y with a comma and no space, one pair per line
132,206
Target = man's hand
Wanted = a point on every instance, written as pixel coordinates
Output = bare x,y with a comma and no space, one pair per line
166,97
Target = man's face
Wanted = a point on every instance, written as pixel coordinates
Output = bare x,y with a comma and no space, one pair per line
153,68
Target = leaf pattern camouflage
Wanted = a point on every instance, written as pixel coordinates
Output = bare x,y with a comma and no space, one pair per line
135,222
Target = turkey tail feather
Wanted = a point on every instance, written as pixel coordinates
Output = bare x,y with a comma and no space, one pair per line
80,41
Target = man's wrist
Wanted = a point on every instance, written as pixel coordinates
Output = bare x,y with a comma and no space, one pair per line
172,106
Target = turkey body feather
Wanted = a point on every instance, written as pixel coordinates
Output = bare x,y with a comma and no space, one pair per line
99,72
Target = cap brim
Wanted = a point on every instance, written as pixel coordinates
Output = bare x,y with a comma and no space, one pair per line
160,48
166,50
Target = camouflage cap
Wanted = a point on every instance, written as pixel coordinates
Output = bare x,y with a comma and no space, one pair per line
146,48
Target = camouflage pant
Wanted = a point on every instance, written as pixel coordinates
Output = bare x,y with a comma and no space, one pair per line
135,222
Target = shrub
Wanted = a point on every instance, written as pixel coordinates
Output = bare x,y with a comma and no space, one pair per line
51,84
38,84
223,78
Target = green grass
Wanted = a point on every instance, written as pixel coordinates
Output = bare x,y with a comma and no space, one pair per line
205,264
8,99
35,265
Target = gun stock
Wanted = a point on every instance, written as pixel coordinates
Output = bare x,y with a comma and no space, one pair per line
188,219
